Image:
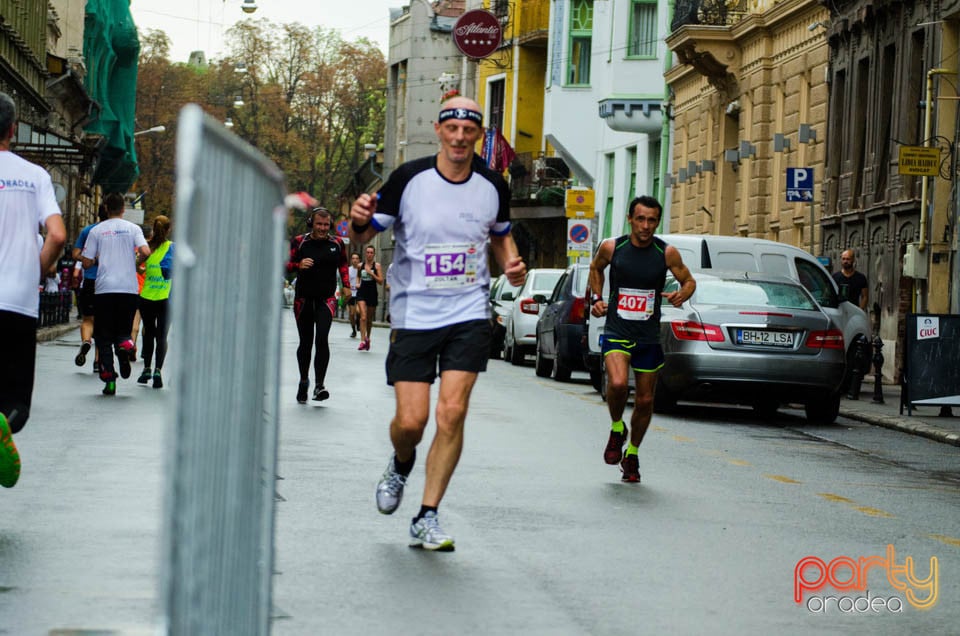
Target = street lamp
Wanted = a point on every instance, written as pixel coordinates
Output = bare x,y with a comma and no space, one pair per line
249,6
155,129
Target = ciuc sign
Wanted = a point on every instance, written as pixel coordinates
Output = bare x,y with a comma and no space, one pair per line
477,34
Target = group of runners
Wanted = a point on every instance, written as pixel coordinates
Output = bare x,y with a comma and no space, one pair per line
444,210
125,287
109,251
326,276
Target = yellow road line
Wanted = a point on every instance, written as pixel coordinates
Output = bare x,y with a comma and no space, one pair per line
834,498
873,512
782,478
867,510
739,462
945,539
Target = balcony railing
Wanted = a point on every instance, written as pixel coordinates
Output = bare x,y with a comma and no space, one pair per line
708,12
538,180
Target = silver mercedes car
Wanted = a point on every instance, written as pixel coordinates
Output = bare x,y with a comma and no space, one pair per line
753,339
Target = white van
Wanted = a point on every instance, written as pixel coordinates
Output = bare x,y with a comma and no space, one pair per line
738,253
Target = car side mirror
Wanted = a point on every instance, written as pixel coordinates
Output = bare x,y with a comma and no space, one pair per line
540,298
507,296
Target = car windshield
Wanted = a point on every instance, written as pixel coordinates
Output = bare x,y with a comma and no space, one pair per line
581,280
755,293
544,282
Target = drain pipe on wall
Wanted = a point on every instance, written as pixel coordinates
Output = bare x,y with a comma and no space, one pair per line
926,208
927,126
665,142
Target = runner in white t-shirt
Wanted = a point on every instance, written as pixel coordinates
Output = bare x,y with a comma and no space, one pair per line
27,203
444,210
114,246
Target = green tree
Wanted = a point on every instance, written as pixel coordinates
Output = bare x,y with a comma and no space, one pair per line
310,103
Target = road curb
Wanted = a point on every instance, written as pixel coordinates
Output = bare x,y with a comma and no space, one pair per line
897,423
46,334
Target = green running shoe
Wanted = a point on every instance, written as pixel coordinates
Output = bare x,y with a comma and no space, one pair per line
110,388
9,457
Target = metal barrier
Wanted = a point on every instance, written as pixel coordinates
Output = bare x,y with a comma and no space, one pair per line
217,559
55,308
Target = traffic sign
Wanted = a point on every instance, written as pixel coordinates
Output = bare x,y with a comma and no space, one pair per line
578,238
579,203
799,184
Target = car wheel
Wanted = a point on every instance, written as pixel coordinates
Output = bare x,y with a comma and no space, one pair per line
516,354
507,352
824,410
766,408
596,379
852,363
541,366
664,400
560,371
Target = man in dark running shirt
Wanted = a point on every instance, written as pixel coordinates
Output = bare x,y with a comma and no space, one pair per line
319,259
631,338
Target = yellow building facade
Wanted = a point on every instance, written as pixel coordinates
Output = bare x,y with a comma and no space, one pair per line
510,82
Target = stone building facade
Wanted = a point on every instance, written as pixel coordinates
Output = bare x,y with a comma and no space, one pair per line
749,101
893,84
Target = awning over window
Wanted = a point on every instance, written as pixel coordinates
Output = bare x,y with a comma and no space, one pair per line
111,48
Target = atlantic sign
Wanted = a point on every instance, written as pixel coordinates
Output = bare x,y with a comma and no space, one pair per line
477,34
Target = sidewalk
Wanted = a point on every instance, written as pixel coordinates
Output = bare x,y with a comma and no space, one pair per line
925,421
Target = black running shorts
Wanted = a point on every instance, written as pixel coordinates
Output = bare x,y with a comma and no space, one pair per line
85,298
414,353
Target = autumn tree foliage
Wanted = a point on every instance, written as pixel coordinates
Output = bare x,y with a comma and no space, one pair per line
310,101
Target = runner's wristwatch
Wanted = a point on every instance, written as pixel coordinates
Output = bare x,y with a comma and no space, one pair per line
595,298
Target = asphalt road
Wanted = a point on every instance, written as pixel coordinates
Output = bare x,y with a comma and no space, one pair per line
548,539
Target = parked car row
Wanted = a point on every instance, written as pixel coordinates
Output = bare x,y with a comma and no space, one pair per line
520,323
764,328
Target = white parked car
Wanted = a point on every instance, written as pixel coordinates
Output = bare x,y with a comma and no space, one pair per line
520,337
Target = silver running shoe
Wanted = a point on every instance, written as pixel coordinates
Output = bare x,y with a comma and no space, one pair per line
390,489
427,534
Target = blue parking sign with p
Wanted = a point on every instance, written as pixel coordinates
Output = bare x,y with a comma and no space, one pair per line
799,184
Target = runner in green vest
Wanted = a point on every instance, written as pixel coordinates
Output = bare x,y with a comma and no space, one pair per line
154,299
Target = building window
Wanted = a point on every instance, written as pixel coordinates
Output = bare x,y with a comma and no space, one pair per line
632,192
643,29
655,171
608,206
581,36
495,100
501,8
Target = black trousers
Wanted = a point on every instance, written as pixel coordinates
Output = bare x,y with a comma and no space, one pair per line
313,315
17,366
153,319
114,323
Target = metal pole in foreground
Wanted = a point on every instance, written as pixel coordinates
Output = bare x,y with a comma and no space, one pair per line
878,370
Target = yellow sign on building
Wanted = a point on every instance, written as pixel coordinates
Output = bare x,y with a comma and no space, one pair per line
918,161
580,203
